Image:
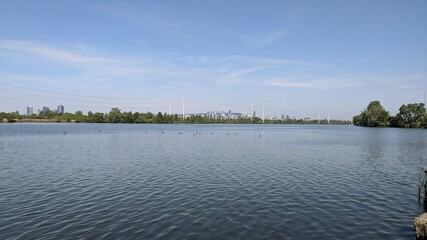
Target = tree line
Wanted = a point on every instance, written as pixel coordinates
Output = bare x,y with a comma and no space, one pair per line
410,116
117,116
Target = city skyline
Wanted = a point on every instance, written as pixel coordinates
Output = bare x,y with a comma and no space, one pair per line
303,58
218,114
319,113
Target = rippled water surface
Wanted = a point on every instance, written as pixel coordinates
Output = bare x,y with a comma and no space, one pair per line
95,181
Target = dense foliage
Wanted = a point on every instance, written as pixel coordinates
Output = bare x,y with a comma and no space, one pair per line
116,116
409,116
373,116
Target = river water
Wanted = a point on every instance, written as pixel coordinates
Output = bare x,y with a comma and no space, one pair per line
117,181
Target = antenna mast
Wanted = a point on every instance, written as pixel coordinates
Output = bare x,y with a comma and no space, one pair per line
263,116
183,107
252,113
170,102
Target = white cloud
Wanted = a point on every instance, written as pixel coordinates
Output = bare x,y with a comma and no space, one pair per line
90,66
325,83
91,62
40,50
410,81
251,60
234,76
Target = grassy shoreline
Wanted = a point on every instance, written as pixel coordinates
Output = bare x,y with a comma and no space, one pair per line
52,120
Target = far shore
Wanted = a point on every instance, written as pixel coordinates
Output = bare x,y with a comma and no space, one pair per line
52,120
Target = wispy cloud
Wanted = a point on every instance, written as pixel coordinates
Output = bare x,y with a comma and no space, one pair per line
131,15
91,66
406,80
409,81
261,39
285,23
40,50
252,60
37,80
324,83
235,76
94,66
81,57
277,61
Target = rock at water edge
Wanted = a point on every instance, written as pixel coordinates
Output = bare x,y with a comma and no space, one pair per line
420,224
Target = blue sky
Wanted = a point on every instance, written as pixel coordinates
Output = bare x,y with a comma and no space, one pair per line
301,57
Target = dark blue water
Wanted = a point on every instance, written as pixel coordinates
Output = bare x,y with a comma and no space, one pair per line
72,181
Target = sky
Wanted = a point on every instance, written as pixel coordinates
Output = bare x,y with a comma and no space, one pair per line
301,58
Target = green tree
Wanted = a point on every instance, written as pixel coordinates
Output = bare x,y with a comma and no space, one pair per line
114,116
135,117
159,118
373,116
127,117
150,117
141,119
360,120
411,115
98,118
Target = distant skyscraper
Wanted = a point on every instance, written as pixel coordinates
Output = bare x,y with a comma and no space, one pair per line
45,109
254,114
282,117
60,109
29,110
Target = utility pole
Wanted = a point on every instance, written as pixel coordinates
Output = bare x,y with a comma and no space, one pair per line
252,113
170,102
263,116
183,107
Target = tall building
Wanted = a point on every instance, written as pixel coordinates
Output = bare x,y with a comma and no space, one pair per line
45,109
29,110
254,114
60,109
